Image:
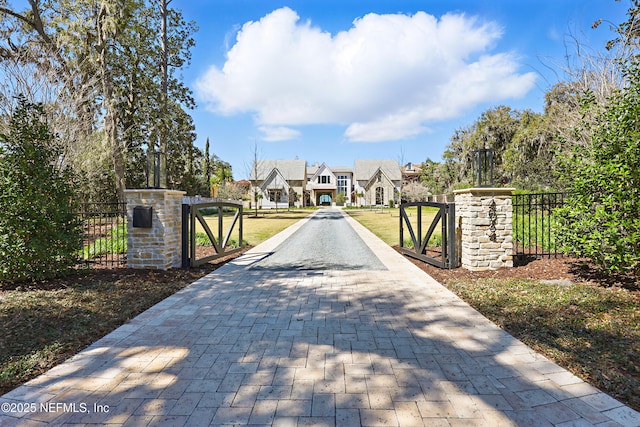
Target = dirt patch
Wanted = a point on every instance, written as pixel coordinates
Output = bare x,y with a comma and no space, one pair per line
107,273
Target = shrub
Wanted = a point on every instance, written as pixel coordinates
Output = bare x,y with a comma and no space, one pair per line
39,232
601,217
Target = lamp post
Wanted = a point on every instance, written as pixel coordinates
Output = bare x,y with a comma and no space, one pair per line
483,167
156,170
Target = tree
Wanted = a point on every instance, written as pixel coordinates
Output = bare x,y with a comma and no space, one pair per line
207,167
222,173
106,58
415,192
601,218
437,178
39,233
232,191
253,175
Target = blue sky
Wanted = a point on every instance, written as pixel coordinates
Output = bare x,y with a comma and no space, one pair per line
336,80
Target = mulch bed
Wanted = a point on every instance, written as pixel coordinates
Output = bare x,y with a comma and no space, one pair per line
561,268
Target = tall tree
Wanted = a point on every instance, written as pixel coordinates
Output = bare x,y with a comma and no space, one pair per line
109,50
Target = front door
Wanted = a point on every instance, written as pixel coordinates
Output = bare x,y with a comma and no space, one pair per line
379,196
324,199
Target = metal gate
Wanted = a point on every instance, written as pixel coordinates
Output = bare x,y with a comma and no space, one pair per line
431,248
196,229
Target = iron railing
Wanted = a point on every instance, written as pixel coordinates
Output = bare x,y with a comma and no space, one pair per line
105,234
533,226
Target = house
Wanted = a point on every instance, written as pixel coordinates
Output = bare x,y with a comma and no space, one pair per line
292,182
278,183
325,185
377,182
411,173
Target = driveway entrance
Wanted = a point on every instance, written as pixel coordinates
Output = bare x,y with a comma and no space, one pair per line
324,198
272,346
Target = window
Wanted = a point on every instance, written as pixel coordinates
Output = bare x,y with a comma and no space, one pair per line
379,196
324,179
342,184
275,195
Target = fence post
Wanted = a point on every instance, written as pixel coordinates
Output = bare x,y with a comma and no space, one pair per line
155,247
485,216
186,214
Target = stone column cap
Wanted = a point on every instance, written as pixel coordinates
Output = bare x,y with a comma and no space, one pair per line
496,191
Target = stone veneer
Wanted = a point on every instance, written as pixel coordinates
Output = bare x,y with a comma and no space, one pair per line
157,247
484,247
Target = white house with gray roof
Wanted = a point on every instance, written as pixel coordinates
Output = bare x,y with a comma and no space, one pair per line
278,183
377,182
292,182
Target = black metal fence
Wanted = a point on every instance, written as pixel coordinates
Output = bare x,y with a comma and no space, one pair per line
533,226
105,234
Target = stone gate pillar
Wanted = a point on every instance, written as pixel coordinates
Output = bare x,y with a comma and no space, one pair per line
484,216
154,236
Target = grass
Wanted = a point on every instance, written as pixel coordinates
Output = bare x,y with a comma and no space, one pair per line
592,331
535,229
114,243
386,224
256,230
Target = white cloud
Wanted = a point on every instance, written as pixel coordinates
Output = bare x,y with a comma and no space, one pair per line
278,133
385,78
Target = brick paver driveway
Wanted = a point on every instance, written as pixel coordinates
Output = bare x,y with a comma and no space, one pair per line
262,346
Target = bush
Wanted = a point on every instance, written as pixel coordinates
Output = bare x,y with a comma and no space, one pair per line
39,233
601,217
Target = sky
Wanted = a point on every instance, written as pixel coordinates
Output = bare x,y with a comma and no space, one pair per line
337,80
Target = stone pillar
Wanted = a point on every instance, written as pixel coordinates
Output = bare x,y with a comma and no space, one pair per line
484,216
157,247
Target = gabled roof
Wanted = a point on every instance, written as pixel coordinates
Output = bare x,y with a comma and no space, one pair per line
323,167
291,170
373,178
366,169
341,169
274,181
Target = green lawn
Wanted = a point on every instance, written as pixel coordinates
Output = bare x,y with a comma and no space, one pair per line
256,230
386,223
